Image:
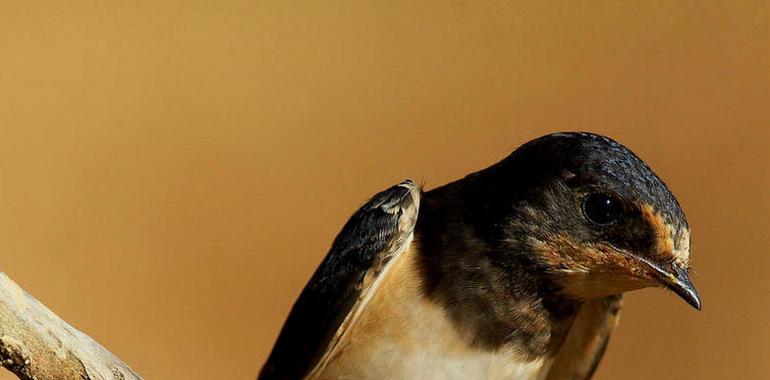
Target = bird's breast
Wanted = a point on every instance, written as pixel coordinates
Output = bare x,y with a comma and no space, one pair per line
403,335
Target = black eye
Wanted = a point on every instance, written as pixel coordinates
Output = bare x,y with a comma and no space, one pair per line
601,208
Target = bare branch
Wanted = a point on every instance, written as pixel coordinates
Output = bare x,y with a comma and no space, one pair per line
37,344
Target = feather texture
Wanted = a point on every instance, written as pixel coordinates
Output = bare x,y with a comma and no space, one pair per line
344,282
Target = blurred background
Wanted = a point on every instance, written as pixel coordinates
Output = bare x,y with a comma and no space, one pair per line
171,172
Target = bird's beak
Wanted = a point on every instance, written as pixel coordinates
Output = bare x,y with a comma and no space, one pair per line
679,282
675,278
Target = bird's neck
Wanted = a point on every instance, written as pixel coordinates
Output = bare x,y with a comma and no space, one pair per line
496,298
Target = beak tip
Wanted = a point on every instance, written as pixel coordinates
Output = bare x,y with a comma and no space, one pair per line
689,295
695,301
681,285
685,289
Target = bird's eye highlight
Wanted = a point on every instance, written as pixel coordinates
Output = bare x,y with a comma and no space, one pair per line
601,208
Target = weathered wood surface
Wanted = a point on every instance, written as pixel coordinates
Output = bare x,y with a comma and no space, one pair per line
37,344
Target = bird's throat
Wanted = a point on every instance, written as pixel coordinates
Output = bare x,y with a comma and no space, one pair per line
494,299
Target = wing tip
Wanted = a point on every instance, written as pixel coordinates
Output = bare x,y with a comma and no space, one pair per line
414,189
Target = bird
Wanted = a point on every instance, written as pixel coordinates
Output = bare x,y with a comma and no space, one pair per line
516,271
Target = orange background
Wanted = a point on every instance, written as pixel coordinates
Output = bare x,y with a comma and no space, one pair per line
172,172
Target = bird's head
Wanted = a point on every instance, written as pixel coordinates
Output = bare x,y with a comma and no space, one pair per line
594,217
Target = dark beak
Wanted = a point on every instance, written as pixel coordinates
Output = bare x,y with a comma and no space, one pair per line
679,282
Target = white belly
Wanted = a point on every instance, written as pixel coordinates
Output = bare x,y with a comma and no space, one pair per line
423,365
404,336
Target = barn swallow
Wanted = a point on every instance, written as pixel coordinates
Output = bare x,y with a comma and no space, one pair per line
513,272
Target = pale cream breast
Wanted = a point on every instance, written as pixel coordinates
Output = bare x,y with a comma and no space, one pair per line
402,335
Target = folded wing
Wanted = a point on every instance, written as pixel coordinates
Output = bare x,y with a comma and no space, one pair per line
340,288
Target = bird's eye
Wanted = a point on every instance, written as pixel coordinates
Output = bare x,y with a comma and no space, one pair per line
601,208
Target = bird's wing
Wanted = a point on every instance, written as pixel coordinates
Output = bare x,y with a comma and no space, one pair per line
587,339
342,285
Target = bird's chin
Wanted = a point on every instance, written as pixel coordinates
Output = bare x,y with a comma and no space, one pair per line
603,284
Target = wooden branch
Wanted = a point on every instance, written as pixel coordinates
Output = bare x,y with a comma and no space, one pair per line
37,344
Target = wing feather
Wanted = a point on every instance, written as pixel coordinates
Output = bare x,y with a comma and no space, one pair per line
344,282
